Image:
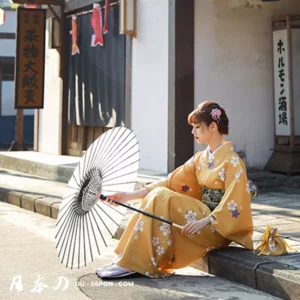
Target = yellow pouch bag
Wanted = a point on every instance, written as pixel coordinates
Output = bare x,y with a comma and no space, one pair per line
272,244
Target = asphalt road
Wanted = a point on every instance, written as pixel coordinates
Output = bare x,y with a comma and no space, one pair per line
30,269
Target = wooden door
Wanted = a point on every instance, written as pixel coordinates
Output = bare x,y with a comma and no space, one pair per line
81,137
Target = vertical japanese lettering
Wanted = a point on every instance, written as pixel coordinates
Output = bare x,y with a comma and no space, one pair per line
30,54
282,103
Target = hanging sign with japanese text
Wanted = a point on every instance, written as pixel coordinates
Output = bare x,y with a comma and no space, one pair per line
281,83
30,58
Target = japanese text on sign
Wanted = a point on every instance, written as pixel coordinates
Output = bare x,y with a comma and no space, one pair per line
30,58
281,82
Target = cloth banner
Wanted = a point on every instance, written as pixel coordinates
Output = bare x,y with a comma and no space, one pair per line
97,75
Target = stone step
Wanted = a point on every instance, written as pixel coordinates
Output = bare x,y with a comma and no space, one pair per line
56,168
60,168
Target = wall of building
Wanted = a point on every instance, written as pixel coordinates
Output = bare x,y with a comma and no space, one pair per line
149,103
50,117
233,66
150,84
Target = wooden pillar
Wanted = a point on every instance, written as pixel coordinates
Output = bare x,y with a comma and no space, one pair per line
181,81
0,92
128,81
36,130
18,143
64,64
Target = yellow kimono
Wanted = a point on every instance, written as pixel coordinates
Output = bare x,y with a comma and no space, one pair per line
153,248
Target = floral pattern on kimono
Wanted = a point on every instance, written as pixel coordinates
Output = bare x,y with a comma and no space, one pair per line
156,249
232,217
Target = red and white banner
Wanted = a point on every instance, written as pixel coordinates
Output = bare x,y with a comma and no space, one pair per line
107,7
96,22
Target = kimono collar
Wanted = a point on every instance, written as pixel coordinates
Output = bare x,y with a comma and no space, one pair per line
227,146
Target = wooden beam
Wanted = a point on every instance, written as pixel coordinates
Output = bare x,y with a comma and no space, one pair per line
71,5
7,35
283,18
7,60
171,88
290,78
39,2
64,66
36,129
63,44
0,92
128,81
7,67
181,81
54,13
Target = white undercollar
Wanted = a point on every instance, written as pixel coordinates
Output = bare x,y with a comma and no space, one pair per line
211,154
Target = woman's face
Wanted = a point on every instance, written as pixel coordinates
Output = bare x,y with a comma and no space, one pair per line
201,132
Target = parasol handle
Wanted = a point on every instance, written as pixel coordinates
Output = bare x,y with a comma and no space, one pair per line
102,197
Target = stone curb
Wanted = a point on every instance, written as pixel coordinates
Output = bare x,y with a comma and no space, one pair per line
261,273
47,206
233,263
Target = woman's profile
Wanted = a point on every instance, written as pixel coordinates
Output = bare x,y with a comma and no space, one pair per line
209,195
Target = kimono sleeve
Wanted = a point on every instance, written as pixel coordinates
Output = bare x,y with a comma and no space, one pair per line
159,183
232,218
183,179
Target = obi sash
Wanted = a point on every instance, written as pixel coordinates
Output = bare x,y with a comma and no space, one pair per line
212,197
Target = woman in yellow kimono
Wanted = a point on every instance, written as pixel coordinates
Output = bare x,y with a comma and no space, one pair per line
209,195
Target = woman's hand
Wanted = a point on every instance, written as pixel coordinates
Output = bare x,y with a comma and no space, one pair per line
193,227
124,197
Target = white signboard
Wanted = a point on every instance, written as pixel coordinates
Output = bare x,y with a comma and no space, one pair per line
281,83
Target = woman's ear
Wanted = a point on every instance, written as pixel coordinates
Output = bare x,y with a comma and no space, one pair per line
213,126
